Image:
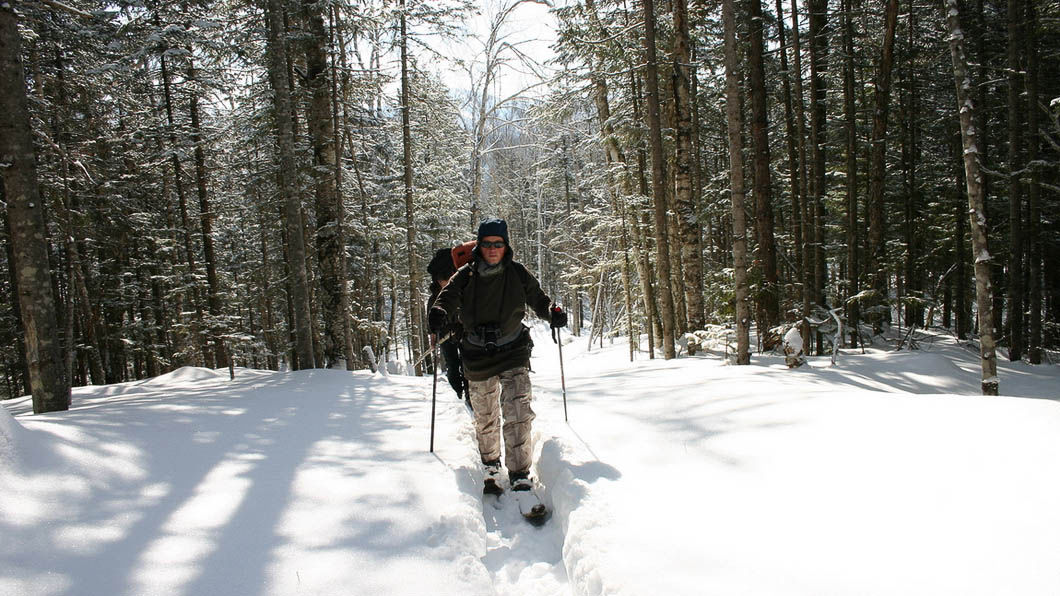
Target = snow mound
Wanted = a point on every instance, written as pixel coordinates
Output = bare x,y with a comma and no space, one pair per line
10,430
187,374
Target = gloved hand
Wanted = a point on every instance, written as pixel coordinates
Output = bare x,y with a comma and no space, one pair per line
558,318
437,320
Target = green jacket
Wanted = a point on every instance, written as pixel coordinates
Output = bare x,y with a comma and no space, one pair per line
490,304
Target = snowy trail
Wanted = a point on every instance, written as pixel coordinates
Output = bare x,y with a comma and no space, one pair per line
521,559
886,474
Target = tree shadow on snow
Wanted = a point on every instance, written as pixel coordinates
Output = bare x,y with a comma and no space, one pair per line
242,447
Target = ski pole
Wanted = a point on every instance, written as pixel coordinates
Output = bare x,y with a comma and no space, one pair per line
556,337
425,354
434,389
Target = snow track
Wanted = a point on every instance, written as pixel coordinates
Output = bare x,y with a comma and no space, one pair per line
560,557
523,560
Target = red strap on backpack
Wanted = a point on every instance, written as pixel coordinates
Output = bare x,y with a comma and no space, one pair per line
462,253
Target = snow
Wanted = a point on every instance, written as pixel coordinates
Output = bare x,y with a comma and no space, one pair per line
793,339
887,474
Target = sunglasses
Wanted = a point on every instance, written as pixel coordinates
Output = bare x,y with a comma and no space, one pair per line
497,244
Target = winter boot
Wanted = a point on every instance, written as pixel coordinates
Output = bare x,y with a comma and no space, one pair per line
491,485
520,481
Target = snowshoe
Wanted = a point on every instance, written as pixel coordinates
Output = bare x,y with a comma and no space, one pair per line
530,505
491,484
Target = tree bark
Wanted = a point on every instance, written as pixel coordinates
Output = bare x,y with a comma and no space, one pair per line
662,248
47,374
684,198
853,309
736,182
287,176
878,160
768,298
1014,324
976,203
818,123
802,210
415,304
910,108
1034,241
330,214
642,231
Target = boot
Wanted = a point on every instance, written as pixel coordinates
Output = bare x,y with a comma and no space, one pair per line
520,481
491,484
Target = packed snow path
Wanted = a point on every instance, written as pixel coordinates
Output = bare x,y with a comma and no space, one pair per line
522,559
884,475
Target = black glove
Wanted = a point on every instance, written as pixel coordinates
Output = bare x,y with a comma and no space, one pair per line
558,318
437,320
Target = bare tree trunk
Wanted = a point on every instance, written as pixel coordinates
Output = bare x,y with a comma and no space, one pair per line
818,124
851,125
641,233
791,130
878,161
684,198
739,223
29,240
1014,324
349,351
768,298
662,247
330,214
415,304
292,211
976,203
910,107
985,71
1034,241
802,209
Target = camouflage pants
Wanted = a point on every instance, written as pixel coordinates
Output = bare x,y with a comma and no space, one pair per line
509,394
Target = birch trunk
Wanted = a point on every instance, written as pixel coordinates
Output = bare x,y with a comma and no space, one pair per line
662,247
684,198
976,203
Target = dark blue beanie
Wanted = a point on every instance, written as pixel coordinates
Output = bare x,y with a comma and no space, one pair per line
493,227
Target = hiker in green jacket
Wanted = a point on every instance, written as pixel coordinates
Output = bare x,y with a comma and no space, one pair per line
489,297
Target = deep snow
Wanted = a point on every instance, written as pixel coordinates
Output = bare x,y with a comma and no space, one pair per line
885,474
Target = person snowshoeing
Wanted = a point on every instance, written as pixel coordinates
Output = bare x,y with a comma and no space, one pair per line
444,264
489,297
